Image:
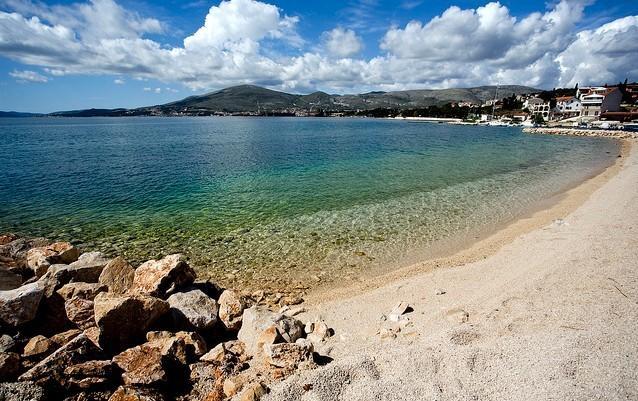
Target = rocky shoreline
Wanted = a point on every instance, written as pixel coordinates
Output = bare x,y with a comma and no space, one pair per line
79,326
619,134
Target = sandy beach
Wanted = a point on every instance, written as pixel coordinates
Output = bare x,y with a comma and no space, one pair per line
543,310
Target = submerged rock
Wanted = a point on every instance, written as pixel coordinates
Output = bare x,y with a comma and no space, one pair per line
160,278
20,306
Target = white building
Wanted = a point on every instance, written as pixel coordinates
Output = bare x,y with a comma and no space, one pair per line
537,106
566,107
598,100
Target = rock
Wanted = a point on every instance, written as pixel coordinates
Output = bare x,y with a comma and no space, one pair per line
233,385
288,356
50,371
123,320
162,277
317,332
439,291
260,326
89,375
231,309
20,306
193,310
18,248
81,290
22,392
117,275
39,259
9,280
136,394
9,366
7,238
95,260
398,311
7,343
224,351
39,347
458,316
142,365
195,343
208,382
208,287
80,312
65,337
253,392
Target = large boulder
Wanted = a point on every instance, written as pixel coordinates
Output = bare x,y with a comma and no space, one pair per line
117,275
51,370
39,259
17,249
90,375
78,302
39,347
231,309
20,306
194,344
123,320
160,278
193,310
261,326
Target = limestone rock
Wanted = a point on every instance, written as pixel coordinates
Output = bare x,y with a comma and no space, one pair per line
51,369
7,343
254,321
231,309
80,312
22,392
234,349
288,356
194,342
253,392
193,310
9,365
20,306
232,385
63,338
39,346
9,280
117,275
81,290
7,238
398,311
289,328
317,332
89,375
18,248
136,394
123,320
39,259
162,277
142,365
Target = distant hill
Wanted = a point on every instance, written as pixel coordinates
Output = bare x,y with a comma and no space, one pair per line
251,99
15,114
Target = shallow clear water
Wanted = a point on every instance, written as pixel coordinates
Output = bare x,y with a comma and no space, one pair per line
276,198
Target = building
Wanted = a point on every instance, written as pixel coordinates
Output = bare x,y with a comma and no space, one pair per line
598,100
537,106
566,107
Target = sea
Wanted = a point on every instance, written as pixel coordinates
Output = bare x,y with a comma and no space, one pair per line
278,201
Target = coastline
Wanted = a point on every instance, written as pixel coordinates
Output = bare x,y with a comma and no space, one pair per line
548,313
458,253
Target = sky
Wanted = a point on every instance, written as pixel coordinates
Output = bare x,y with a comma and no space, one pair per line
65,55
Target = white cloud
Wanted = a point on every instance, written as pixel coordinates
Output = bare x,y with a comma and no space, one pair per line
342,42
28,76
460,47
119,81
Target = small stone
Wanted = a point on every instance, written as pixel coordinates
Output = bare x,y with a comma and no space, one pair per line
193,310
231,309
117,275
65,337
235,349
289,356
233,385
162,277
439,291
458,316
136,394
398,311
320,332
20,306
39,346
142,365
253,392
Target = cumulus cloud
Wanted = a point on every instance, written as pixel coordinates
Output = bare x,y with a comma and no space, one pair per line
342,42
460,47
119,81
28,76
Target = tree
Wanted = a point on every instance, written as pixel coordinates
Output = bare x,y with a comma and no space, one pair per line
538,119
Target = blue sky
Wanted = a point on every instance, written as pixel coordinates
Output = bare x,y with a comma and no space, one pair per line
61,55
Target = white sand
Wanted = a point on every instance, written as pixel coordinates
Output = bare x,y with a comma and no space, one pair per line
553,315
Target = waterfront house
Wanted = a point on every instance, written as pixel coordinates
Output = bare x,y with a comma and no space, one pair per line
598,100
537,106
566,107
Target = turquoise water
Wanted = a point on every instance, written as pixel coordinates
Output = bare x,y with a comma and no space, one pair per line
271,199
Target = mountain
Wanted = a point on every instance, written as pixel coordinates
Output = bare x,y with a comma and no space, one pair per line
15,114
251,99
